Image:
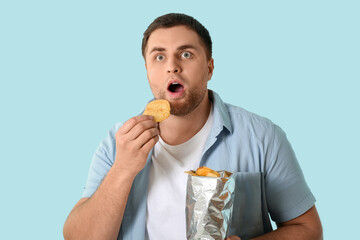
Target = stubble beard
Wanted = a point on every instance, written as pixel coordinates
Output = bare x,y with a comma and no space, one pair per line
193,99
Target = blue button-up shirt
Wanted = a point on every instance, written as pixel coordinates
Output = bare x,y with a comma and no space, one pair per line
269,179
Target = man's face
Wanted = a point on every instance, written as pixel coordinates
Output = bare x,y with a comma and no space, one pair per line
177,68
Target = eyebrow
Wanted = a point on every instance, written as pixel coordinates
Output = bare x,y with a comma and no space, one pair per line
186,47
157,49
161,49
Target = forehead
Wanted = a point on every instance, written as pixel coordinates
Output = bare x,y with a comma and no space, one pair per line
173,37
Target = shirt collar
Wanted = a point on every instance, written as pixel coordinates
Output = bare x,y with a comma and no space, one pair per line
221,114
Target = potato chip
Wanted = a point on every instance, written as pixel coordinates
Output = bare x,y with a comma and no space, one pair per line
192,173
159,109
204,172
211,175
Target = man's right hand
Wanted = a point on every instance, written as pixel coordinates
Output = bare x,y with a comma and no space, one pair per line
100,216
134,140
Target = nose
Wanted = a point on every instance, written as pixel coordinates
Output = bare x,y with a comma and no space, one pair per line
173,66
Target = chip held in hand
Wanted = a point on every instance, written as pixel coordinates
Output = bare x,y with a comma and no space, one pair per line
159,109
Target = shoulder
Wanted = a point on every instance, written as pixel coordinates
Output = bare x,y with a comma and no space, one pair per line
243,124
242,118
253,127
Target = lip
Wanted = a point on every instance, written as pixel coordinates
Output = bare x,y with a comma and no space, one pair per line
178,94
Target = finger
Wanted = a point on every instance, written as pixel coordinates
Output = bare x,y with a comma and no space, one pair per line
129,124
233,237
150,144
146,136
140,128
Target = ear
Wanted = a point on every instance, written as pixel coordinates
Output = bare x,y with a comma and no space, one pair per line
210,68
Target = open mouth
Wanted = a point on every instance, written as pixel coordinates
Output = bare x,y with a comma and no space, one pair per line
175,87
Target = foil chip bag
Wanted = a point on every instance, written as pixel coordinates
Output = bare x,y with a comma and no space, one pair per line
209,204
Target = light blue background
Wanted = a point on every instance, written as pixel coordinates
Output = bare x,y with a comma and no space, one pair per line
70,69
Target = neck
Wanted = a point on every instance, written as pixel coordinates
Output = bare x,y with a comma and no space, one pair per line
178,129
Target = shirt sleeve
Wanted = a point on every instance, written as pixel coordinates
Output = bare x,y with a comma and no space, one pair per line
288,195
101,163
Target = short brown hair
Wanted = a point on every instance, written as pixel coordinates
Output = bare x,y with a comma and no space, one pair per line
176,19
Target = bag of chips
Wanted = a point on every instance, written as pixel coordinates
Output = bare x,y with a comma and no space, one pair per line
209,204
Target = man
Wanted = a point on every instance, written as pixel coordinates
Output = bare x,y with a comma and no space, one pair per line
136,186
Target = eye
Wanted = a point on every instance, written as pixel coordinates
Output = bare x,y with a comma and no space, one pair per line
186,55
160,57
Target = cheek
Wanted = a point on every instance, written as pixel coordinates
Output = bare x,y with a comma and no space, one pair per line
150,74
152,79
152,71
204,74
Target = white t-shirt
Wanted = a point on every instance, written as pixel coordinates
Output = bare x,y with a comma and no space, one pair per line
166,201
